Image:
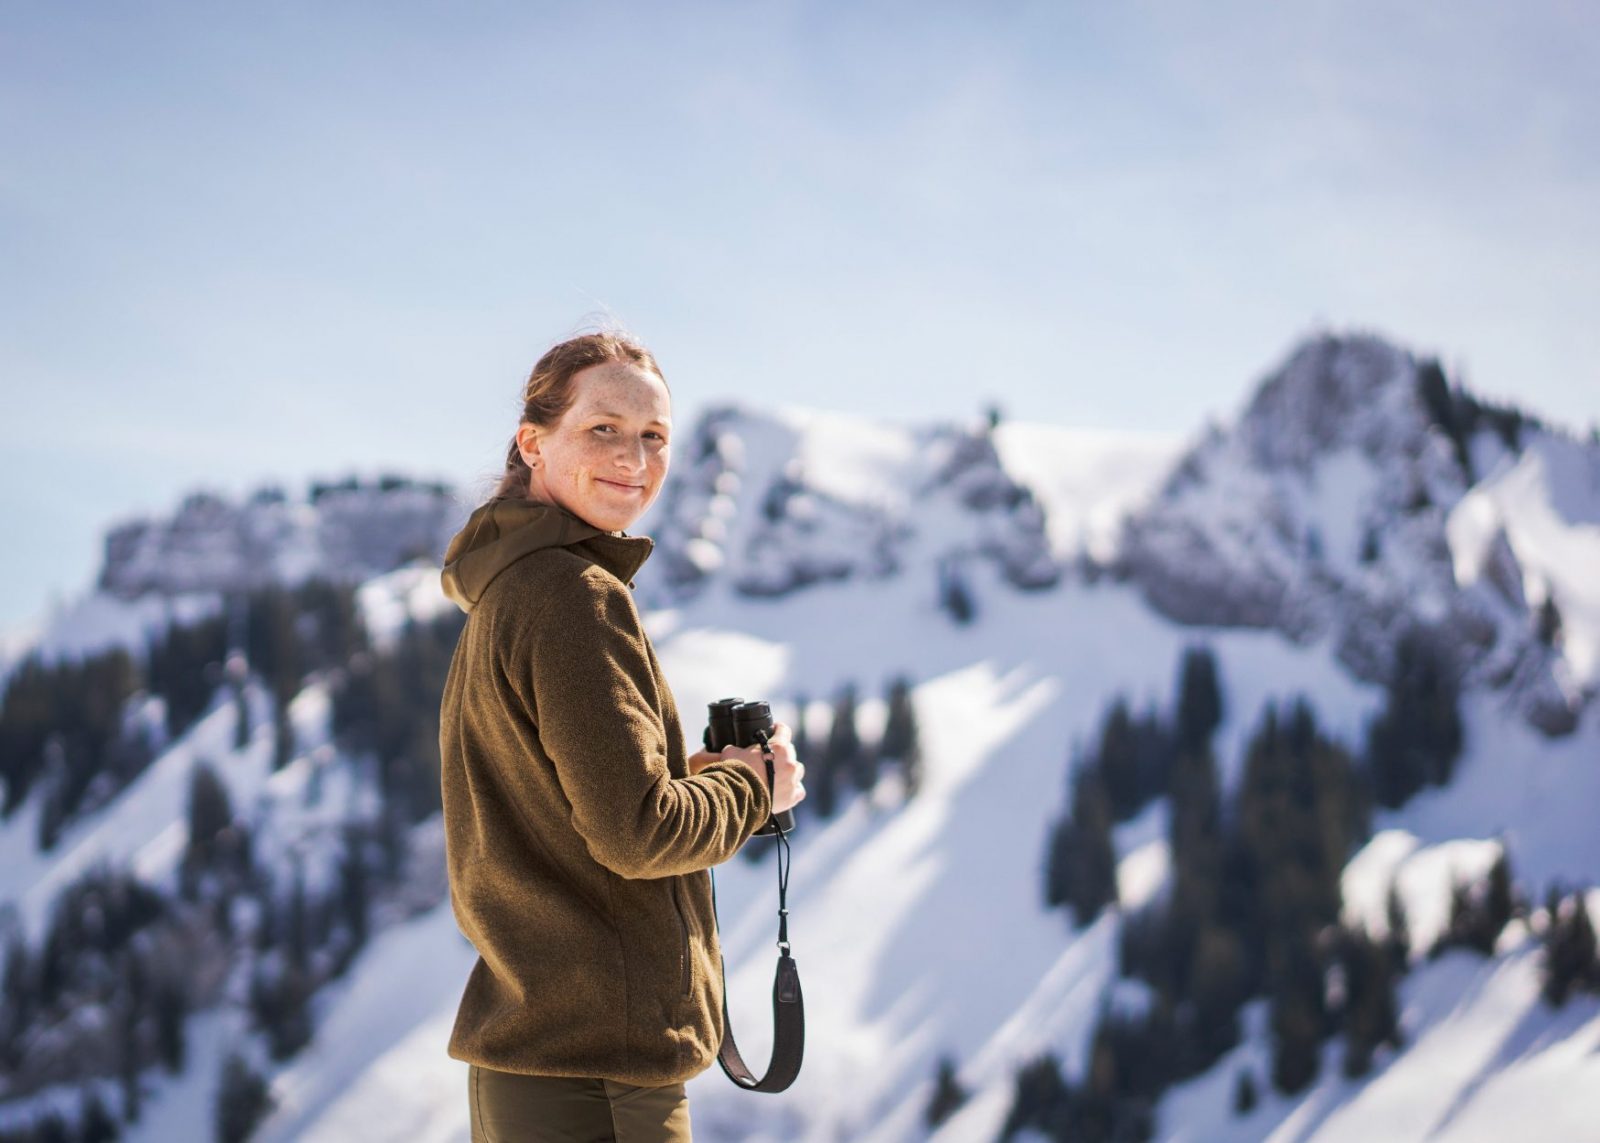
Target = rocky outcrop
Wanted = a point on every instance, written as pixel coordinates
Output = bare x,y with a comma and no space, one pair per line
760,503
345,533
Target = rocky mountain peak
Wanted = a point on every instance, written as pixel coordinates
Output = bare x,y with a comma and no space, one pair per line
1335,391
1326,511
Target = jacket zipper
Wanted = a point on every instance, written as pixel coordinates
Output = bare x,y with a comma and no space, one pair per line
683,927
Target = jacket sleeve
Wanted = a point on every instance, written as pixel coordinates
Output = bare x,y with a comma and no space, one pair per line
599,722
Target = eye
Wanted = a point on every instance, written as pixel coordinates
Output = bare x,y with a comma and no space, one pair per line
605,428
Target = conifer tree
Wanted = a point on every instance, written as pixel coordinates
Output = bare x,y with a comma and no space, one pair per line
1479,912
354,893
95,1123
1398,940
955,597
297,937
171,1010
334,631
948,1094
272,643
1081,870
1296,1012
1199,704
901,740
802,738
280,1005
17,999
184,666
1371,1012
241,716
1195,834
1117,760
242,1100
1549,622
129,1062
1216,987
1417,738
282,737
1570,957
1245,1096
210,810
1040,1100
1500,899
846,755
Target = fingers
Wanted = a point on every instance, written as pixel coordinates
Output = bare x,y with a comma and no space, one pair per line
781,733
788,771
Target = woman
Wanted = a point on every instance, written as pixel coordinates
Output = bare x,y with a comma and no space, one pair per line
578,830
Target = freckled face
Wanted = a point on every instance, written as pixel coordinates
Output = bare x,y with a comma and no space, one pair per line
605,459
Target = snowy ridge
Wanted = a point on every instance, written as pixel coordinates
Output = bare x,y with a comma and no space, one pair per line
347,533
773,503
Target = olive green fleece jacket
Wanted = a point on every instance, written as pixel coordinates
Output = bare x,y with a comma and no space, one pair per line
576,839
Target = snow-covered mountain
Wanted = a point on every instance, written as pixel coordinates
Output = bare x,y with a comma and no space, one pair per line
1357,496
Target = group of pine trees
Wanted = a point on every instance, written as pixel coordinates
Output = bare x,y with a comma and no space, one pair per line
1254,908
387,709
69,727
63,727
1461,415
113,943
94,1123
115,957
146,961
1135,760
843,764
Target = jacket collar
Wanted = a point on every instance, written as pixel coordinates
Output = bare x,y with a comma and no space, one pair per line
505,529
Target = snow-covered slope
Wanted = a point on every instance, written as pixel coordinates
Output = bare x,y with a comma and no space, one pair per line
918,928
799,552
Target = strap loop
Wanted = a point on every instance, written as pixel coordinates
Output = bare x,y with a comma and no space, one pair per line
788,1002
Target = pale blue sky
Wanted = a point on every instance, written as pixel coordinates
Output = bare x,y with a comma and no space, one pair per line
274,241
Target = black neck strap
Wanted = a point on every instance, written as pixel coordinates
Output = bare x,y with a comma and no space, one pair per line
788,1005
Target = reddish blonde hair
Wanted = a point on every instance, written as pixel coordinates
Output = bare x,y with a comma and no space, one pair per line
549,391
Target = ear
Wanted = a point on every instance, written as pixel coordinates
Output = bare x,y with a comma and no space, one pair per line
528,443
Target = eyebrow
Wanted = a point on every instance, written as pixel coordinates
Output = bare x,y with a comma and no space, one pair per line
607,413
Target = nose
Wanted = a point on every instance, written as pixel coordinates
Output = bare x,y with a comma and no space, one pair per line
630,454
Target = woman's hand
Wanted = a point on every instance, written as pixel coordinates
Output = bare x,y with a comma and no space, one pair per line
788,772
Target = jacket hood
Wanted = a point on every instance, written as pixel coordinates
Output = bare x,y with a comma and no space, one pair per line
504,530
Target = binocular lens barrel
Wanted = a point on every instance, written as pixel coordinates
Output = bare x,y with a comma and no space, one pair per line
719,726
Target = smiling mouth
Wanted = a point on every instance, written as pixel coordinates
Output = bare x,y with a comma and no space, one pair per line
625,487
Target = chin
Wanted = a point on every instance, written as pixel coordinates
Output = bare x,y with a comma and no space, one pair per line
612,522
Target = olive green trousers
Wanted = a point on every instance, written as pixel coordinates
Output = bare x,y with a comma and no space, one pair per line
510,1108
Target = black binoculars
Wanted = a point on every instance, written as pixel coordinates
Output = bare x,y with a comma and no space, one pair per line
734,722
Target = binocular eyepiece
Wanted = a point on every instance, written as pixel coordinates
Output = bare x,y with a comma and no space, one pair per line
734,722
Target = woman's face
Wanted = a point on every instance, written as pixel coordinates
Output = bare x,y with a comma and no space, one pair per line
605,459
